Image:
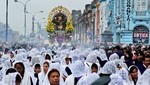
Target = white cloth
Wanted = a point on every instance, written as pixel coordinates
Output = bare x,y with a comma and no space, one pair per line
7,63
88,80
116,80
6,56
88,69
11,78
109,68
35,59
103,57
69,80
34,79
145,78
46,80
113,57
42,74
124,74
26,80
139,74
92,58
78,71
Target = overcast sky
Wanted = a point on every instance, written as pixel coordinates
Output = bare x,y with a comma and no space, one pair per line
16,12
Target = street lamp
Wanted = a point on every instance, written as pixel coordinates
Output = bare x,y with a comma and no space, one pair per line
25,11
6,20
39,24
33,18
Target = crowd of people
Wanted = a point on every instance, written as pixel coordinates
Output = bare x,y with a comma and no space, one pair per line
125,64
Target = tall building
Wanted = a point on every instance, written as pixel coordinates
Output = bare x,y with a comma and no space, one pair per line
132,21
117,21
75,16
83,25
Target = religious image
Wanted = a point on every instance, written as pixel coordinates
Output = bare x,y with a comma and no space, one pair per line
60,21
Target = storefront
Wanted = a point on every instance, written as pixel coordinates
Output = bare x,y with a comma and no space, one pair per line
141,34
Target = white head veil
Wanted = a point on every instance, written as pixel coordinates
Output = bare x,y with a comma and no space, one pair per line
88,80
139,73
53,66
78,69
27,77
123,73
35,59
116,80
82,57
74,58
109,68
113,57
92,58
11,78
145,78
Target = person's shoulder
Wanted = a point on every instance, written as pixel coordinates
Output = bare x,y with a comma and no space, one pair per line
103,80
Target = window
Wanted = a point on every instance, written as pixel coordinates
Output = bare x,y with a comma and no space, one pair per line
148,5
141,5
141,13
132,5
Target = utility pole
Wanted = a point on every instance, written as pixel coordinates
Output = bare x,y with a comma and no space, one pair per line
6,20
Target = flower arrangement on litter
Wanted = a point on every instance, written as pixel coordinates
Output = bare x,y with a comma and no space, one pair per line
50,26
69,27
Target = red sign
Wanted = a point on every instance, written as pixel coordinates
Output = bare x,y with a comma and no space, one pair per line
140,35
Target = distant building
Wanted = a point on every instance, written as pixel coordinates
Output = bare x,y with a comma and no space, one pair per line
13,36
117,21
132,21
75,16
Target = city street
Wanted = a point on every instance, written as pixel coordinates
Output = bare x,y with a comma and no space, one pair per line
74,42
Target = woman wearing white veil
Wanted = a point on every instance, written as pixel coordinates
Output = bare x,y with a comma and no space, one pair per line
26,78
108,69
65,67
134,74
89,79
91,58
116,80
123,72
9,63
13,79
54,67
36,70
44,71
145,78
113,56
77,73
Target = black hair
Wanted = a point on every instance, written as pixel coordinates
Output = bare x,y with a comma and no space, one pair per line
18,78
143,58
67,69
47,57
46,63
117,47
37,65
20,63
29,58
11,70
132,68
6,50
94,65
51,71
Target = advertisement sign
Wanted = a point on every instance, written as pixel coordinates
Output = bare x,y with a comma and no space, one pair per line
140,34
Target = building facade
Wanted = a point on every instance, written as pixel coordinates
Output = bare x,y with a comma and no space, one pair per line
117,21
132,21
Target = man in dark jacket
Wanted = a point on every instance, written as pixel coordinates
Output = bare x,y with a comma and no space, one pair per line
146,63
